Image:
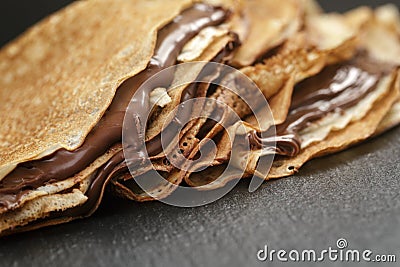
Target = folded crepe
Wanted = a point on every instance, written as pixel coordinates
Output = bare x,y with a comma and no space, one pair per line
345,103
68,81
297,59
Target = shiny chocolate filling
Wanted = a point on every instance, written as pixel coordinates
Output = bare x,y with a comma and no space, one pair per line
117,165
63,164
336,88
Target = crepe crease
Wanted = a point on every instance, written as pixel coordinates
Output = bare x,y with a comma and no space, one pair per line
281,48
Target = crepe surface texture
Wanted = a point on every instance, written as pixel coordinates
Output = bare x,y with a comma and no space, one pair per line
75,87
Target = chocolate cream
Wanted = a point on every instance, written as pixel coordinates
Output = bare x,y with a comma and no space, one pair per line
63,164
336,88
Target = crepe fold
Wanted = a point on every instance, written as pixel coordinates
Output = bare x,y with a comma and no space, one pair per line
331,80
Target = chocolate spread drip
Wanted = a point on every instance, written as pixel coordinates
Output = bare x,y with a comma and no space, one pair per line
63,164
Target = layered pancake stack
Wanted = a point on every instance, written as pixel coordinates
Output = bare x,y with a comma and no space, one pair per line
70,82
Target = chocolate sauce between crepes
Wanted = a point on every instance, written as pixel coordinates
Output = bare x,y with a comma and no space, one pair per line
118,165
336,88
63,164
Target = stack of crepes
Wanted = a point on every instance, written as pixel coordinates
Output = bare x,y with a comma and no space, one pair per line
331,80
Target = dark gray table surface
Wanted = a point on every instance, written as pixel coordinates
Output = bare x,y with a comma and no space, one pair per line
354,195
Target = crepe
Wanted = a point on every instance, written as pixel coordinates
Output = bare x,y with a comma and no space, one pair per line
381,115
32,202
302,56
189,143
339,129
57,160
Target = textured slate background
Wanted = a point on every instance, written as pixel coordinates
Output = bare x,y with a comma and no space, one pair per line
353,195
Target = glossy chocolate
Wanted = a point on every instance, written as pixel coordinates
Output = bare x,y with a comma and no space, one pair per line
63,164
336,88
288,145
117,165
